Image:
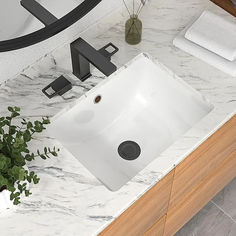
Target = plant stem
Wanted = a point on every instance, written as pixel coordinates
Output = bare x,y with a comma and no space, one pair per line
127,7
141,7
133,7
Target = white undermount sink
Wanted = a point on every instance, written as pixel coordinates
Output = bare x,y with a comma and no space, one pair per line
126,121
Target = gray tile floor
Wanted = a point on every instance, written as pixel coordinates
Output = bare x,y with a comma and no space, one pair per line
217,218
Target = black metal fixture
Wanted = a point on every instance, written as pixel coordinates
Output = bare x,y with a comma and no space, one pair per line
53,25
38,11
82,54
58,87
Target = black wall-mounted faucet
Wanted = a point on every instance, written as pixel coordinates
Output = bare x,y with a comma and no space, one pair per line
82,54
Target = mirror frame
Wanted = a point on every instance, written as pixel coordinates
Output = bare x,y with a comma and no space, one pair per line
48,31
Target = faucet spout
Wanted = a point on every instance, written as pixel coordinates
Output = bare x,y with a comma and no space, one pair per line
82,54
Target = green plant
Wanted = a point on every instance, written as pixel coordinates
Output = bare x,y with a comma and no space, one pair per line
14,153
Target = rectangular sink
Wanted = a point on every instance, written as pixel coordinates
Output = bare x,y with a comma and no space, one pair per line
125,122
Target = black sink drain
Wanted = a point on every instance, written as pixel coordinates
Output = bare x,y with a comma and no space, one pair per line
129,150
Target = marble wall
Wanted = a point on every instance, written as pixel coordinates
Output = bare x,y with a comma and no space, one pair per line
12,63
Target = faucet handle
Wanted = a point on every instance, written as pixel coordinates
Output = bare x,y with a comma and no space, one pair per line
58,87
108,50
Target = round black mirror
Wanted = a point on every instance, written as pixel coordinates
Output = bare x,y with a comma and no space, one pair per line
27,22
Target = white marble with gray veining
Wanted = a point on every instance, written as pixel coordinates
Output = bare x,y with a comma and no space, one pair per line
69,200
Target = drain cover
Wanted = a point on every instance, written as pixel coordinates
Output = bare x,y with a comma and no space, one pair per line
129,150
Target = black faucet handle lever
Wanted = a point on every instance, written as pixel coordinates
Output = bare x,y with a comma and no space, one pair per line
108,50
58,87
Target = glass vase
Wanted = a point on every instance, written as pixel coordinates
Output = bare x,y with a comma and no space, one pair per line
133,30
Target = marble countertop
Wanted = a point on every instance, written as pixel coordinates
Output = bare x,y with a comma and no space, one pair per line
69,200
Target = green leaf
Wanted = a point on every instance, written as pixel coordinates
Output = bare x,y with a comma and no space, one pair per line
26,150
15,114
46,121
29,179
54,154
20,187
27,193
43,157
12,196
29,125
11,188
32,174
36,179
5,162
12,130
27,136
6,122
17,109
3,181
10,109
18,159
28,157
17,173
16,201
22,175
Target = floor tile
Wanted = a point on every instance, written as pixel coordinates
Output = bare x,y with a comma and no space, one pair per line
226,199
210,221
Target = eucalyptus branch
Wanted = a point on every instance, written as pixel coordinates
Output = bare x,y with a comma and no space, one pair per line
14,153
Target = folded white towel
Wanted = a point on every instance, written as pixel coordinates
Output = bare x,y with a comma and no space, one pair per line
214,33
213,59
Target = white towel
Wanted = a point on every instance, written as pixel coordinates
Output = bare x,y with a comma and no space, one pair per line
214,33
213,59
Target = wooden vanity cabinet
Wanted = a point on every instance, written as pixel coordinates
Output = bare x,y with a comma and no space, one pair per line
200,195
199,177
203,160
174,200
157,229
144,213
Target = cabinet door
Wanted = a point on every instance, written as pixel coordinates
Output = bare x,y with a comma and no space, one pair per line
202,193
157,229
203,160
138,218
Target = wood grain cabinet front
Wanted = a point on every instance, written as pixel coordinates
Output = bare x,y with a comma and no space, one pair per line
203,160
157,229
144,213
201,176
200,195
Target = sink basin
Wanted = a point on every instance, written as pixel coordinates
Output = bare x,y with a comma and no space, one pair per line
126,121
